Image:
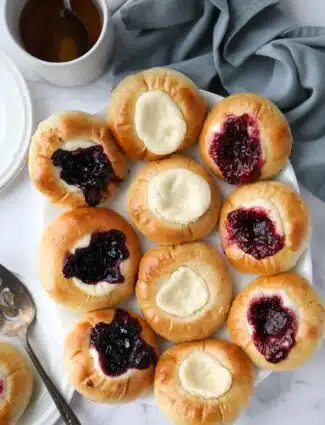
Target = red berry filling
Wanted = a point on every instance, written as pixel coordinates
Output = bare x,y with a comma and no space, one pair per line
2,386
274,327
100,260
120,345
88,169
236,149
254,232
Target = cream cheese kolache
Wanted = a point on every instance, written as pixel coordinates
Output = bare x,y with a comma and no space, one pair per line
203,383
155,113
174,201
184,291
74,160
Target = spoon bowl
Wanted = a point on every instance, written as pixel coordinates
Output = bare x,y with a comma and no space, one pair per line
75,41
16,304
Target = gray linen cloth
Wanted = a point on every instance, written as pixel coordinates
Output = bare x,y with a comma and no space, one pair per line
229,46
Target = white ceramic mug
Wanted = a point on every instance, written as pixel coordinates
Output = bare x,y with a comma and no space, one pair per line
67,74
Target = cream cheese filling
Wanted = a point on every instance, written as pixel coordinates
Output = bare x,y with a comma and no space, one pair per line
202,374
183,293
178,195
74,144
159,122
100,288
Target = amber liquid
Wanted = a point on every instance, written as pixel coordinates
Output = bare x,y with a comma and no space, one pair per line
47,35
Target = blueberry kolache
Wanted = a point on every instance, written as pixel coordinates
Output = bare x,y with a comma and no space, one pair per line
88,259
74,160
245,138
277,320
264,227
110,356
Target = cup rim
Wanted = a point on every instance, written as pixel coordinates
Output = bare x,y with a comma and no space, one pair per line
106,18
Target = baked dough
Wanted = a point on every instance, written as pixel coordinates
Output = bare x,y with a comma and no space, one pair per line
303,311
203,383
73,230
16,384
85,373
155,113
256,134
273,240
174,201
184,291
69,131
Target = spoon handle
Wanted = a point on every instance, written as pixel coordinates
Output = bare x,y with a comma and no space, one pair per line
63,407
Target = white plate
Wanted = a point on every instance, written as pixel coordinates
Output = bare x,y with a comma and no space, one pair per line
16,120
46,339
287,175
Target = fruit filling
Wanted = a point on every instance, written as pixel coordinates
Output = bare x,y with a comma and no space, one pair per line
2,387
120,345
100,260
89,169
237,150
274,327
254,232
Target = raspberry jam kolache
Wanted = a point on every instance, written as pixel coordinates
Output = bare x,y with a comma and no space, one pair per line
237,150
277,320
245,138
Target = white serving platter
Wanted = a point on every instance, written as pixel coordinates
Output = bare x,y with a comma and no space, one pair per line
46,338
240,280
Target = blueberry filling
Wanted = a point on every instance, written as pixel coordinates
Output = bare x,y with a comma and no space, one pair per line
89,169
120,345
100,260
254,232
236,149
274,327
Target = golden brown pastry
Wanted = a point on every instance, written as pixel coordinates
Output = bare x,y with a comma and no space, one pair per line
264,227
88,259
245,138
203,383
155,113
74,160
174,201
277,320
184,291
16,384
110,356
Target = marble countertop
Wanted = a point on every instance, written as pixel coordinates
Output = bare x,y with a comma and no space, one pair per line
288,398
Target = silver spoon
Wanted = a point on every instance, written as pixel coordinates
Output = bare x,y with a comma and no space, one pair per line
74,28
17,313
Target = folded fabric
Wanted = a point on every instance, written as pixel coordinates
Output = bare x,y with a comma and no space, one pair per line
229,46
